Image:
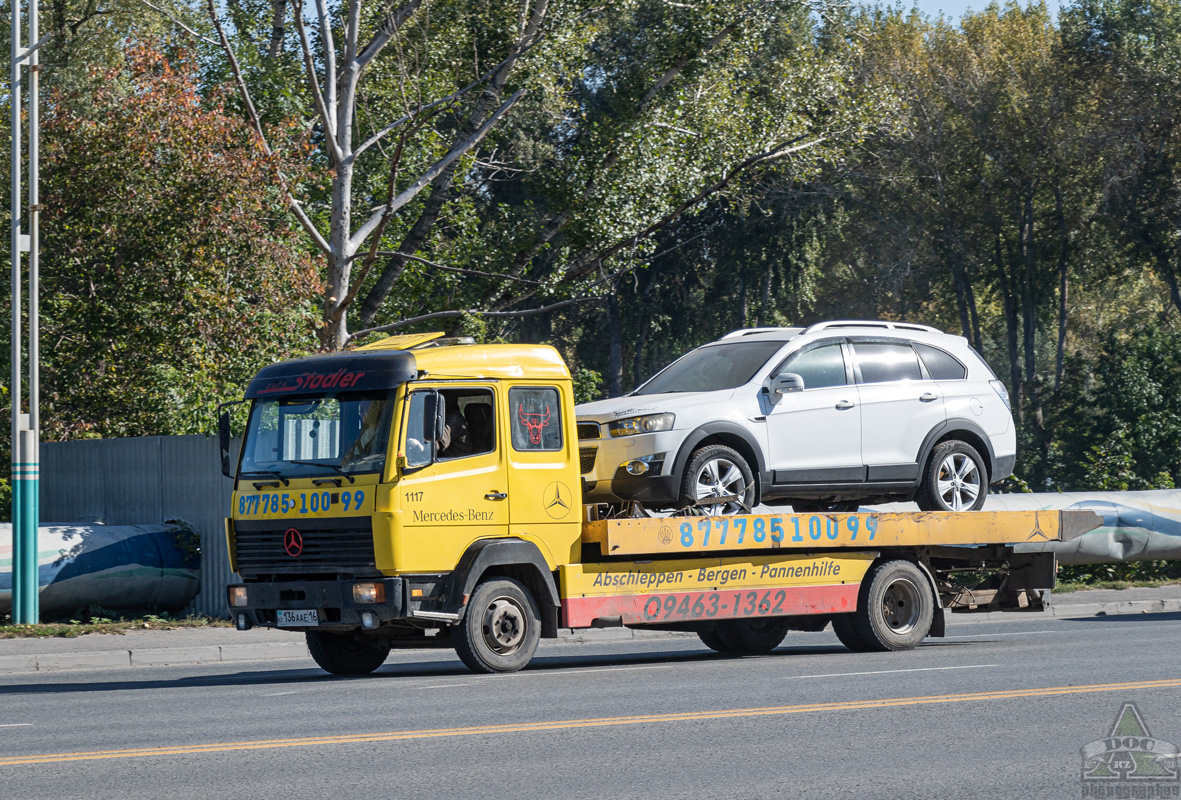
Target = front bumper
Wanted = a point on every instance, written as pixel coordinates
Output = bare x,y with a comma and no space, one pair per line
331,599
606,480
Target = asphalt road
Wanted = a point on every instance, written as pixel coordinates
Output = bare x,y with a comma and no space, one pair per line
997,710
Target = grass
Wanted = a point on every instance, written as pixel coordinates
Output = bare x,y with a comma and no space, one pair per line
1065,587
72,628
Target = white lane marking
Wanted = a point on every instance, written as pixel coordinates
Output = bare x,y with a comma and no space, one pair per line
444,686
17,725
1014,633
892,671
280,694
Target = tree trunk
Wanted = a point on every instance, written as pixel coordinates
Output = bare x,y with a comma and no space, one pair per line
614,347
1063,261
1010,307
1028,317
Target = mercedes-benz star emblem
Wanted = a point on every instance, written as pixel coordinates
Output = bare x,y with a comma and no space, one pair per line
292,542
557,503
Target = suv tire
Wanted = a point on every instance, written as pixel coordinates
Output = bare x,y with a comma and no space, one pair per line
716,470
955,479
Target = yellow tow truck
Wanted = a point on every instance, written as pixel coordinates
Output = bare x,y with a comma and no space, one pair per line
424,491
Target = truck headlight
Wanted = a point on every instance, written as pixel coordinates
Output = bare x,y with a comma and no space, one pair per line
649,423
368,593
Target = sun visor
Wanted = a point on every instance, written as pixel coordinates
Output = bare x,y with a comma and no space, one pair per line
332,373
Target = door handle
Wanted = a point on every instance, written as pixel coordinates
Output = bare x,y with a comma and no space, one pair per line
844,405
928,398
496,495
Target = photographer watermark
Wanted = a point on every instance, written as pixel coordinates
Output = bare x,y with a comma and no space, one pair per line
1130,762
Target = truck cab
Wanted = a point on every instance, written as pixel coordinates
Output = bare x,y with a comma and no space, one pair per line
377,488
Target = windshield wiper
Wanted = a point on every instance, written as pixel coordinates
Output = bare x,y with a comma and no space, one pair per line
270,473
328,465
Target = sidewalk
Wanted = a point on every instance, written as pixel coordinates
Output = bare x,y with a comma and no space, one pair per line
211,645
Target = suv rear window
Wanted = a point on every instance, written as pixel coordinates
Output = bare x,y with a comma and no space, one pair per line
709,369
885,361
942,366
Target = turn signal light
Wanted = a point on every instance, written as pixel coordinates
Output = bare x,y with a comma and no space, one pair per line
369,592
238,597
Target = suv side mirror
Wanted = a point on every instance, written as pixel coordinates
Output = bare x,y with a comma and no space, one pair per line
784,383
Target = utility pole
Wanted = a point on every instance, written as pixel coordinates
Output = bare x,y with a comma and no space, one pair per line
25,427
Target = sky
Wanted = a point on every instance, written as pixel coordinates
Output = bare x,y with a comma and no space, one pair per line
956,8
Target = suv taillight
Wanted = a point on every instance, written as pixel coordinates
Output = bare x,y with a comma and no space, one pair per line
1003,392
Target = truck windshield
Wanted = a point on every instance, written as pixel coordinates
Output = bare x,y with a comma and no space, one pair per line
710,369
345,432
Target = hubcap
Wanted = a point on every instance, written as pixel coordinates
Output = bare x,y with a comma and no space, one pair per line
900,606
504,625
958,482
719,477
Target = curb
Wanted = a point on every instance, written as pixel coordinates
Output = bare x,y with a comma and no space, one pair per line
211,654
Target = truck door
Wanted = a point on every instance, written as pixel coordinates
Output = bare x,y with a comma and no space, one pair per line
454,490
545,492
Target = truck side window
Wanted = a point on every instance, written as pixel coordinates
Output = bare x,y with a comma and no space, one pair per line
535,418
468,430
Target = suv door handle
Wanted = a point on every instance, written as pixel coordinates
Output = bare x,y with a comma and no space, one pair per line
928,397
844,405
496,495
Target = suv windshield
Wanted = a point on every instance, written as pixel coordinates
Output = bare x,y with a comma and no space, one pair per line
294,437
708,369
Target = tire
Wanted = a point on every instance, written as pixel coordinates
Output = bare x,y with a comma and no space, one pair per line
845,627
713,641
821,507
894,610
500,631
752,636
955,479
344,654
714,471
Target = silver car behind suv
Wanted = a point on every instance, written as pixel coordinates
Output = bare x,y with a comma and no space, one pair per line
824,418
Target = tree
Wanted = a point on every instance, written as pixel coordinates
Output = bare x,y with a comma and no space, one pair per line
167,276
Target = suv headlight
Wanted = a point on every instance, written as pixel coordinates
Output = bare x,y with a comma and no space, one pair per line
649,423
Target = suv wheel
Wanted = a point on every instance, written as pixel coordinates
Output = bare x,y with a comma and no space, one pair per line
717,471
955,479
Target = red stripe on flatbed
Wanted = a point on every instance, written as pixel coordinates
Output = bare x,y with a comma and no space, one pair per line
779,601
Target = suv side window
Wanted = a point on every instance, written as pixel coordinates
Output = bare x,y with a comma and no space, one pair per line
820,367
942,366
881,362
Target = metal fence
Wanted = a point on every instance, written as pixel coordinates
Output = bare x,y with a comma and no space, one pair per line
145,481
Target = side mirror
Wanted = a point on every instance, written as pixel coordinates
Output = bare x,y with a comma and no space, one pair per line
223,437
785,383
432,409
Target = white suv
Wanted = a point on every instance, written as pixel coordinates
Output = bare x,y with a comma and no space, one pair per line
824,418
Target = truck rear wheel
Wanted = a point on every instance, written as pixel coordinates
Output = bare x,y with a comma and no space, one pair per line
894,610
500,631
713,641
342,654
751,636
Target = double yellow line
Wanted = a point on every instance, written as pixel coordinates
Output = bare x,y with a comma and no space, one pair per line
567,724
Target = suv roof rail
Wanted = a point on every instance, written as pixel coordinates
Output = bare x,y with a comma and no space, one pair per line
738,334
869,323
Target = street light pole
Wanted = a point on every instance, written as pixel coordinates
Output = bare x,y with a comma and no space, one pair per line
25,427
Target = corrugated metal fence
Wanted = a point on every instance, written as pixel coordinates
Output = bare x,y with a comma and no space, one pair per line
145,481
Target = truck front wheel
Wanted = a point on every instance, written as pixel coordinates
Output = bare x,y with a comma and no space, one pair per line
894,610
500,631
342,654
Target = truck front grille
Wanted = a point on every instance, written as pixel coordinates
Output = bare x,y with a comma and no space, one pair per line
293,547
586,458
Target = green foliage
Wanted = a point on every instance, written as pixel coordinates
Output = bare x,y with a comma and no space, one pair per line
1132,571
169,273
588,385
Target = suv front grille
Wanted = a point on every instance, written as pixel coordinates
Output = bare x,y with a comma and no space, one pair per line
319,546
586,458
588,430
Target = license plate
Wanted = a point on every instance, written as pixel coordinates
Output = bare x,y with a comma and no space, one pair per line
298,617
